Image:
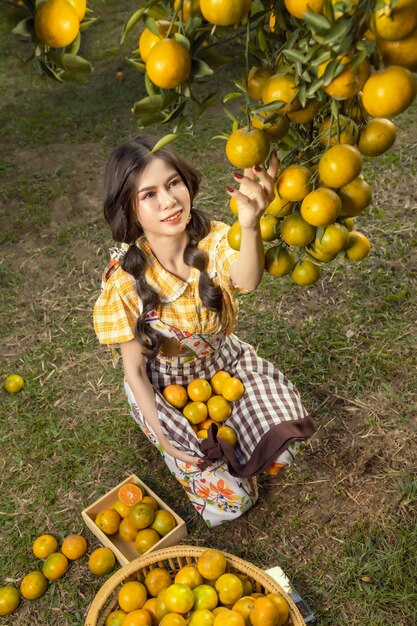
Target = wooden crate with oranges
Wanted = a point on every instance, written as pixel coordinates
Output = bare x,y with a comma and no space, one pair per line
133,520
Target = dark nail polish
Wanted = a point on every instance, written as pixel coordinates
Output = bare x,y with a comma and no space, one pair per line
256,168
237,175
230,189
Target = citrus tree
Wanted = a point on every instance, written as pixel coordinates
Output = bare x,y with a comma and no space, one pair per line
319,82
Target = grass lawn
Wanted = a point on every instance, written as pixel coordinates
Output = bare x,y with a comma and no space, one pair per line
342,520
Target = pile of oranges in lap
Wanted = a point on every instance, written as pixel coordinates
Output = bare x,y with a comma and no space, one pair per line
205,402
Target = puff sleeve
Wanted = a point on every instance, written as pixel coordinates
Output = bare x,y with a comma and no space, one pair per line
225,256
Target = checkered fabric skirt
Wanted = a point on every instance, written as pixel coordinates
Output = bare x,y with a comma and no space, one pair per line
269,419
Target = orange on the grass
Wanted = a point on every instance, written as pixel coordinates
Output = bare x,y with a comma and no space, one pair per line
157,579
101,561
211,564
219,408
199,390
44,545
14,383
163,522
130,494
55,566
145,539
176,395
33,585
179,598
232,389
74,547
9,600
108,520
132,596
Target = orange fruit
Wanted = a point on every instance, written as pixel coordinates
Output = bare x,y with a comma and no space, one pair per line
296,232
205,597
306,273
397,22
202,434
145,539
127,530
350,80
179,598
80,7
199,390
13,383
122,509
56,23
225,12
355,196
176,395
148,39
282,88
150,500
211,564
150,606
278,261
377,136
101,561
234,235
358,246
33,585
163,522
74,547
226,433
229,618
279,207
294,182
9,600
315,252
161,608
403,52
274,126
131,596
195,412
389,92
44,545
282,606
339,165
130,494
168,64
264,613
330,136
189,8
142,515
321,207
173,619
233,206
305,114
256,80
233,389
108,520
219,609
189,575
268,226
349,222
216,383
55,566
115,618
157,579
229,588
247,147
201,617
244,606
219,408
299,7
139,617
334,239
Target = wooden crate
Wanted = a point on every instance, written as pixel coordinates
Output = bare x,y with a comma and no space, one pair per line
125,551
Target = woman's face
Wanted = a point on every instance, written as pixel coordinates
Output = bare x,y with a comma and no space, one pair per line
163,202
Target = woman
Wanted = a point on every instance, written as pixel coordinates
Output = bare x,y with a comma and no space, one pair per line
168,300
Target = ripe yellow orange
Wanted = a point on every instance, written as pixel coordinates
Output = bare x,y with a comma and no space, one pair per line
211,564
115,618
256,80
317,254
219,408
377,136
142,515
205,598
80,7
33,585
157,579
353,109
402,52
56,23
150,500
339,165
234,206
179,598
229,588
173,619
130,494
349,82
201,617
161,608
305,114
229,618
343,130
321,207
246,148
189,575
349,222
278,261
355,196
234,235
108,520
195,412
225,12
13,383
264,612
306,273
148,39
296,232
279,207
217,381
168,64
294,182
163,522
244,606
334,239
55,566
101,561
397,22
139,617
176,395
282,606
189,8
299,7
389,92
202,434
150,606
9,600
283,89
232,389
145,539
127,530
44,545
131,596
358,246
268,226
74,547
199,390
274,126
122,509
226,433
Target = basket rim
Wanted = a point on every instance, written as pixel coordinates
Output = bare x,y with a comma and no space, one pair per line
183,551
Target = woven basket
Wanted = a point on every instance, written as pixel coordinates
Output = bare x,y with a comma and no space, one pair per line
173,559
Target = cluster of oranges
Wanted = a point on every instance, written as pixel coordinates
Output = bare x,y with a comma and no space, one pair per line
57,22
204,403
201,593
136,517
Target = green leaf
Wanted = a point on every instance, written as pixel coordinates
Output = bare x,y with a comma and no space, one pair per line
230,115
87,22
149,120
302,95
175,113
150,23
315,86
149,86
261,39
358,59
49,72
131,23
316,22
183,40
321,58
294,55
25,28
164,141
232,95
75,46
149,104
200,69
138,64
208,101
338,31
75,64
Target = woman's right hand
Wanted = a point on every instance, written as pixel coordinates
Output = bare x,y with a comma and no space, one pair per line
181,456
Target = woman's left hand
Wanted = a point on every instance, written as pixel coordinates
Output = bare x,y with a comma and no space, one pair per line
254,196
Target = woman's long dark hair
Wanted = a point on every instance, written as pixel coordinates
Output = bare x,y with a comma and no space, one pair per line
126,162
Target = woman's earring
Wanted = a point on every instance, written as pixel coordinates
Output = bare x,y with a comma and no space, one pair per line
189,219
